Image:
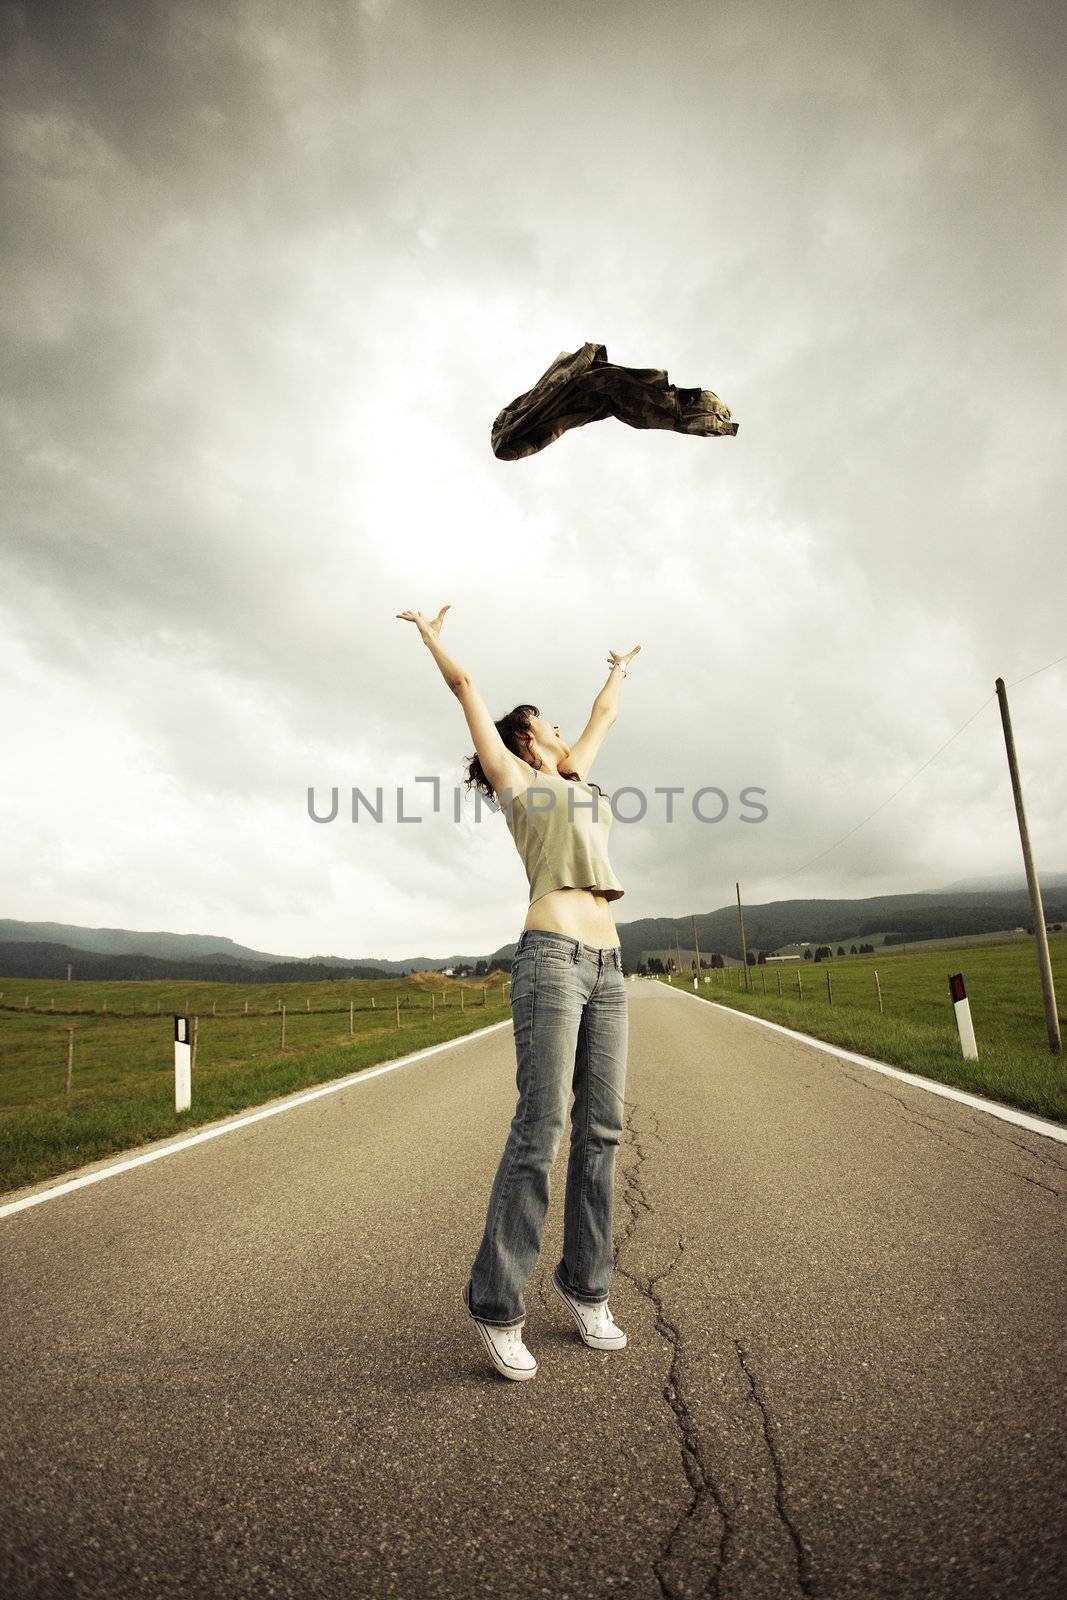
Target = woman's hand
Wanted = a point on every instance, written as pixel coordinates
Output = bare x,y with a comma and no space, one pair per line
428,628
615,660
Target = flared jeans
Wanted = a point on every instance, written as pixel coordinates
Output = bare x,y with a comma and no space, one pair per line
569,1008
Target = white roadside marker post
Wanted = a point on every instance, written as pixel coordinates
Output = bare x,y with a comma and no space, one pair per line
962,1007
182,1064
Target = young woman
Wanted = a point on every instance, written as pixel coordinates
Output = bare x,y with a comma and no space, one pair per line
570,1012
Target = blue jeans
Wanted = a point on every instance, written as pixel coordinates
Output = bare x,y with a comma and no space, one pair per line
569,1009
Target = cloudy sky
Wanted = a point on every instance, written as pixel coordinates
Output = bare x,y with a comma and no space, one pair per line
269,272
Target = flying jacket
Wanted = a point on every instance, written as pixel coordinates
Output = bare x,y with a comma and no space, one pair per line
585,386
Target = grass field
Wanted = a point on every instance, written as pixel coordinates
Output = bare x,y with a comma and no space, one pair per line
123,1070
917,1029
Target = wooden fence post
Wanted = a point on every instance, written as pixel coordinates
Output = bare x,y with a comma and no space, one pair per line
351,1023
398,1010
280,1003
829,988
192,1052
878,987
70,1059
779,982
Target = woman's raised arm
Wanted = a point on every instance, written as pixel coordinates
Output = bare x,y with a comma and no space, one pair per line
584,750
500,766
429,629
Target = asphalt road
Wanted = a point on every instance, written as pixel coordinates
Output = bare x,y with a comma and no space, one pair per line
245,1369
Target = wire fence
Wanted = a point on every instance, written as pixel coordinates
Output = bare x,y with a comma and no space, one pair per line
47,1051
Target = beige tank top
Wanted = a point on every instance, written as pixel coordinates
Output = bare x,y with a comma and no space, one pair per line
563,841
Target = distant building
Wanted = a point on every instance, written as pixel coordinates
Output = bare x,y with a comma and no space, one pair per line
783,958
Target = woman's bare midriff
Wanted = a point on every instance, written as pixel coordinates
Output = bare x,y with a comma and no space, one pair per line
581,914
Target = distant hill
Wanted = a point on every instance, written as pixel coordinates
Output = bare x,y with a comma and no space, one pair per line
125,941
43,949
783,922
185,949
30,959
1004,882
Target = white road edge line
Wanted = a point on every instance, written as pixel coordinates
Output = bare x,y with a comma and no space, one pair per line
239,1120
1023,1119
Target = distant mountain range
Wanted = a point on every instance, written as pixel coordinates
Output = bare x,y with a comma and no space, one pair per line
979,905
124,941
1004,882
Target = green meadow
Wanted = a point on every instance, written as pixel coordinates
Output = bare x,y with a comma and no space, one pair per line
122,1079
917,1029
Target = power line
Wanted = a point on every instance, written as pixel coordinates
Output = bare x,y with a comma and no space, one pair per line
793,870
1039,669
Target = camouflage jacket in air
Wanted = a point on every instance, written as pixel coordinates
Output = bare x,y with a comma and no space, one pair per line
584,386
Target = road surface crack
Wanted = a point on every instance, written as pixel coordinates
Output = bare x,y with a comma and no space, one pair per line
924,1119
803,1562
683,1550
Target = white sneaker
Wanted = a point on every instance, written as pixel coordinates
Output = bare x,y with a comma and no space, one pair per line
596,1324
506,1350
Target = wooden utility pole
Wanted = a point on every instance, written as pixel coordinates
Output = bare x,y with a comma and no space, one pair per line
744,946
1037,909
696,942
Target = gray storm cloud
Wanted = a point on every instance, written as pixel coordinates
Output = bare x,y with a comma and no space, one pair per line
269,272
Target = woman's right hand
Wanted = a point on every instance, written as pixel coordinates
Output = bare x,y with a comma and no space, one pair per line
428,627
